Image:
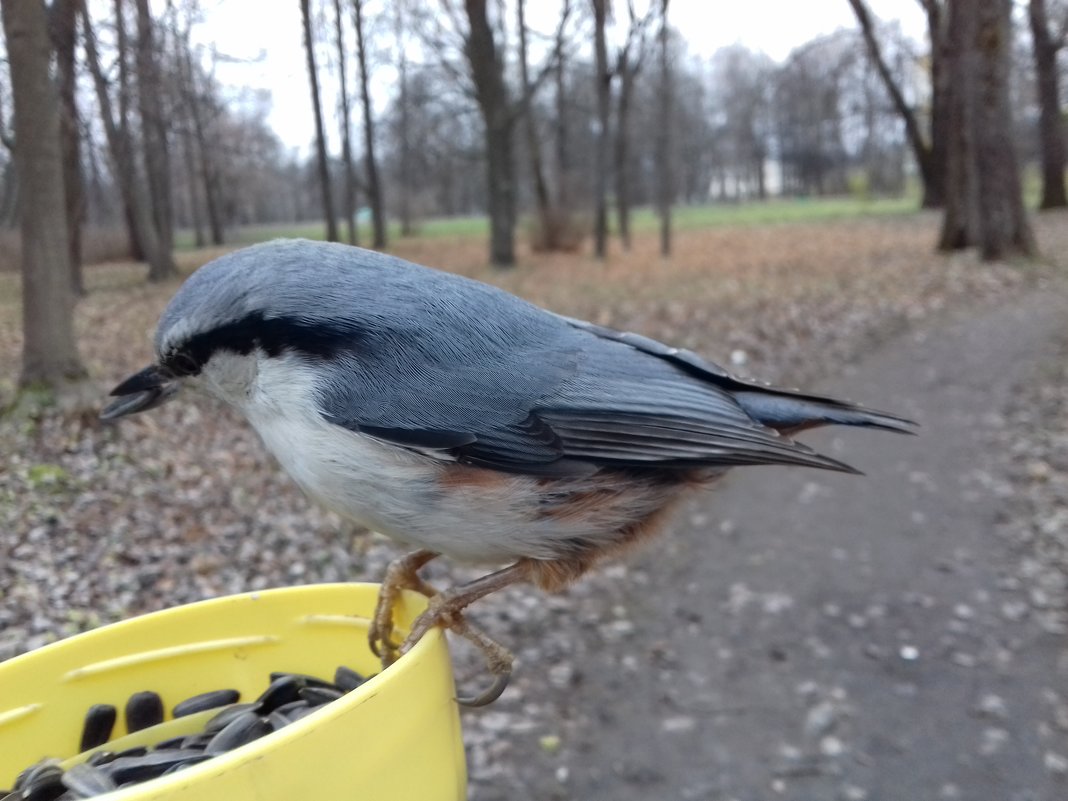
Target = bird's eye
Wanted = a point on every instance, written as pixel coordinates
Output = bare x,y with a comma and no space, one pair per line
182,364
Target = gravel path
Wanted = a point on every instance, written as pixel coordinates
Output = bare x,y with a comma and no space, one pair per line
827,636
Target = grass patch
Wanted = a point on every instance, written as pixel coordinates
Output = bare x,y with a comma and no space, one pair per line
781,210
437,228
748,213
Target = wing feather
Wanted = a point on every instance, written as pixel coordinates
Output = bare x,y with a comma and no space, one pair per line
521,390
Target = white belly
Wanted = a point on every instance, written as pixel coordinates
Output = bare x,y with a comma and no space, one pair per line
401,493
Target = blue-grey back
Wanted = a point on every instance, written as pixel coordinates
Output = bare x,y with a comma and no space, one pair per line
433,360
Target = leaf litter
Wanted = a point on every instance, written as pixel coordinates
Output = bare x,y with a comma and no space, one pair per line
101,522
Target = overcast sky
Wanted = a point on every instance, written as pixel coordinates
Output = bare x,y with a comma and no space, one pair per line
245,28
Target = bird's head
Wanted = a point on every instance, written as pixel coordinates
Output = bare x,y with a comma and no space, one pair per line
258,303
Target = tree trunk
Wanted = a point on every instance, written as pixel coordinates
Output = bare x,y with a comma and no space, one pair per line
404,134
196,212
921,149
549,228
320,136
9,201
984,204
627,74
1005,229
49,350
603,89
374,186
208,167
665,179
1051,127
960,224
487,72
561,138
138,251
135,196
346,133
934,194
64,30
154,141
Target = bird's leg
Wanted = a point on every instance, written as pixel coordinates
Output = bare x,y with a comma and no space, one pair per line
402,574
446,610
498,659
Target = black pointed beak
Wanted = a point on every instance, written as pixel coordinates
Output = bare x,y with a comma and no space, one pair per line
140,392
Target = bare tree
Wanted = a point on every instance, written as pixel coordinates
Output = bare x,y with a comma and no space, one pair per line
495,105
629,61
374,185
809,110
984,205
665,178
404,127
741,81
135,230
154,140
63,25
1051,126
346,135
202,159
931,172
196,210
561,138
132,186
555,229
537,170
603,79
483,46
49,351
320,136
938,35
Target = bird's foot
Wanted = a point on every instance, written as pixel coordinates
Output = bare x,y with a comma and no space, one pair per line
402,574
447,613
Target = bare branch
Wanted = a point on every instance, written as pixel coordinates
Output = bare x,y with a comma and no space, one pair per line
547,68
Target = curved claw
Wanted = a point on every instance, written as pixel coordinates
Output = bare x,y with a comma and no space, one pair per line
400,575
500,684
379,641
372,643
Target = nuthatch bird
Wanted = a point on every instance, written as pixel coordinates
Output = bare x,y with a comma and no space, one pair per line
457,418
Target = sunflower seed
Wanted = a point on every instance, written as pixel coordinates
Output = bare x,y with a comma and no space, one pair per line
208,700
136,751
100,758
223,718
197,741
99,723
85,781
241,730
186,764
42,782
347,679
277,720
143,709
304,679
316,696
282,690
150,765
37,772
171,743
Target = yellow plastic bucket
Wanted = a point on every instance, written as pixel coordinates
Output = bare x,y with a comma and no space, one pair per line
397,736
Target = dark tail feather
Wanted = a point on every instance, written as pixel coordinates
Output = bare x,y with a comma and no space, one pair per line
792,413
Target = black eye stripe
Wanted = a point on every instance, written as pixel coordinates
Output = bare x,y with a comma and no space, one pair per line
272,335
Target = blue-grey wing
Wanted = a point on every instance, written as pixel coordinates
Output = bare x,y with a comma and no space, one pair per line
547,398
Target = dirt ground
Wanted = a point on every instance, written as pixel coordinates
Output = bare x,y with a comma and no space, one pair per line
794,635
